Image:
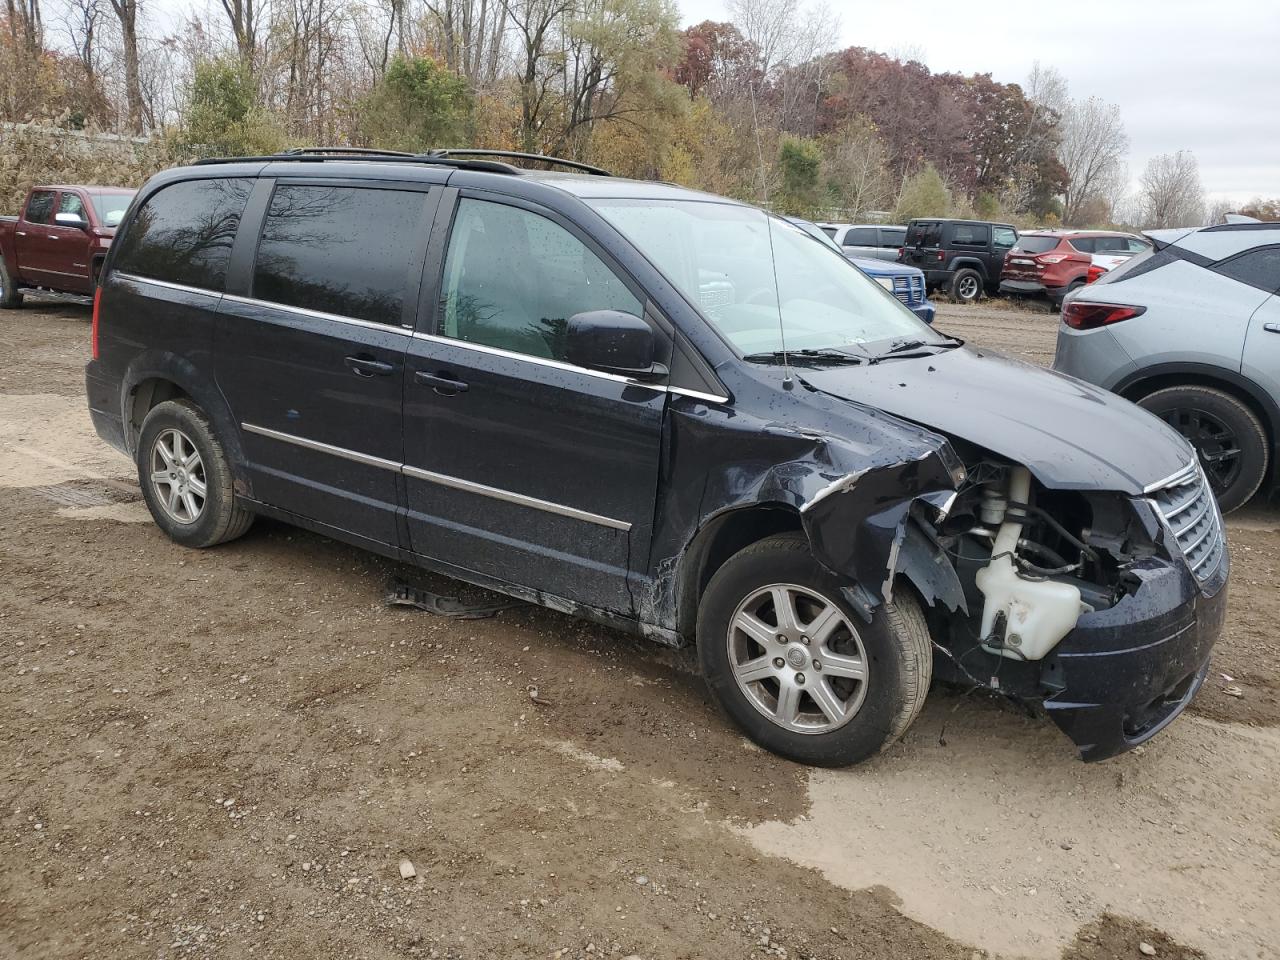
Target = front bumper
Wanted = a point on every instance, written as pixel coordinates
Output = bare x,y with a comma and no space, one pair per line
1124,674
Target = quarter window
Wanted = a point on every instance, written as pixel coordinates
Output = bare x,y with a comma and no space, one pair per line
512,280
340,250
40,207
860,237
183,233
1259,268
1004,236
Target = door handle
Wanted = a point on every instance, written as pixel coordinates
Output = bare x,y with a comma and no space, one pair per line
21,233
53,236
369,367
1271,327
443,383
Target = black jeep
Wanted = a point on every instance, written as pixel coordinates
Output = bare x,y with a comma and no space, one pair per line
961,257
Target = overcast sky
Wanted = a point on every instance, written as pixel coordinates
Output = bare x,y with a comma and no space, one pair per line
1199,75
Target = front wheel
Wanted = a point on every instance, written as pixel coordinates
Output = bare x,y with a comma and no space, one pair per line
966,286
793,665
186,477
10,295
1228,438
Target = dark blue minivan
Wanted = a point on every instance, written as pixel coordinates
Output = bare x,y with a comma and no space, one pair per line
663,410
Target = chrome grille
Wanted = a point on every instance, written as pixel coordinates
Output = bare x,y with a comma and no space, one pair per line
909,289
1191,513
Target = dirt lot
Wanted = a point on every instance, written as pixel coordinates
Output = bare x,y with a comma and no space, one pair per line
228,753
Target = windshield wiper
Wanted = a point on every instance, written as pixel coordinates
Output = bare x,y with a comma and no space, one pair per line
913,348
810,355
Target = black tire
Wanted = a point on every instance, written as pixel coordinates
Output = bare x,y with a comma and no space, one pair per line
966,286
1217,423
10,295
221,517
896,645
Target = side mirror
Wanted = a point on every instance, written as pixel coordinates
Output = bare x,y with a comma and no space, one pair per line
612,341
71,220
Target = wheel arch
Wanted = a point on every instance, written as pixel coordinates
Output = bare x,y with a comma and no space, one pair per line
716,541
155,377
1148,380
969,263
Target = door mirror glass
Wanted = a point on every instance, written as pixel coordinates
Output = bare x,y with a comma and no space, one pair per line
612,341
71,220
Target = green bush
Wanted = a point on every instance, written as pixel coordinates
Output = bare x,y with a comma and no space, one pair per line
417,105
223,117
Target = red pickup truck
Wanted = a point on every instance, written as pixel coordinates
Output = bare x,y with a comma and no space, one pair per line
60,240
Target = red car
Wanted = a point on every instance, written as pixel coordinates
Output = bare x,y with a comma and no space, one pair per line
1052,263
59,240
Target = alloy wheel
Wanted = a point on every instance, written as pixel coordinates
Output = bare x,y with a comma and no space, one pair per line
968,288
178,476
797,658
1215,442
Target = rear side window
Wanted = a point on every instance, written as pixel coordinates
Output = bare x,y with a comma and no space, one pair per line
1086,244
183,233
860,237
513,278
40,207
1259,268
969,234
892,238
1028,244
830,231
339,250
1137,246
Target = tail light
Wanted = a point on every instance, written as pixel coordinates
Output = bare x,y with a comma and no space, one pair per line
902,252
1083,315
1095,272
942,255
93,336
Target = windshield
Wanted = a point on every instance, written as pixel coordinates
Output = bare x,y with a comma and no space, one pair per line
750,274
1029,244
110,207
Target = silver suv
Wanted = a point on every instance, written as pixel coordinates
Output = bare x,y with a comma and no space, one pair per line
1191,332
874,241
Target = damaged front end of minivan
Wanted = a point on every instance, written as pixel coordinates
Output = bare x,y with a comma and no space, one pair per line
1101,606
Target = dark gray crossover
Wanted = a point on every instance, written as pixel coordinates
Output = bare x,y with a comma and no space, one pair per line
666,411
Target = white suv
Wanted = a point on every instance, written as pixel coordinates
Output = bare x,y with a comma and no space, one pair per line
1191,332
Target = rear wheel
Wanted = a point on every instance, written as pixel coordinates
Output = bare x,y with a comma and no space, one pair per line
10,296
186,477
1228,438
791,662
966,286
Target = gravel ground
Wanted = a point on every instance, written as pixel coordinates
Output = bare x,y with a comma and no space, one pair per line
234,752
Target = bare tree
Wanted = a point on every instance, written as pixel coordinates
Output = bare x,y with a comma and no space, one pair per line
1171,194
1092,150
25,26
243,15
536,63
471,35
81,20
127,13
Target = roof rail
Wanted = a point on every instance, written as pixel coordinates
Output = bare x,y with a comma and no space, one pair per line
460,158
517,155
363,155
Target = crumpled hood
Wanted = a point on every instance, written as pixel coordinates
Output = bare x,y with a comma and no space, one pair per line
1070,434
